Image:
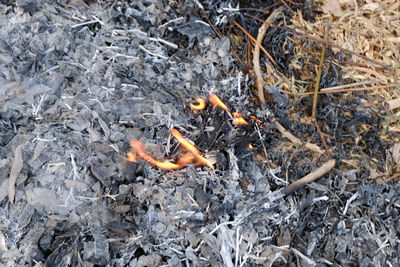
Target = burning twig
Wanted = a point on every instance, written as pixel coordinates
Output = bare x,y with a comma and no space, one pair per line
138,152
256,53
191,148
192,157
239,120
217,102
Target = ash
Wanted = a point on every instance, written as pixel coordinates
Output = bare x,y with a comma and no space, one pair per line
79,79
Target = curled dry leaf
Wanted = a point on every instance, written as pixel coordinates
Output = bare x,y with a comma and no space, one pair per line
16,168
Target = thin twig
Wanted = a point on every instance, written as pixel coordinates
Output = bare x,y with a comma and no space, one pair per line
294,139
318,79
349,85
256,52
253,39
311,177
287,6
331,91
316,89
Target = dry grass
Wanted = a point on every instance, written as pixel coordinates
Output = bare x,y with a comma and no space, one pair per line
370,28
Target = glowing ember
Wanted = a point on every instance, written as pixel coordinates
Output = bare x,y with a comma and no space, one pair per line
192,157
217,102
239,119
200,105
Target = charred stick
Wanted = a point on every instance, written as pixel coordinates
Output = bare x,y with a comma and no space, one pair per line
296,185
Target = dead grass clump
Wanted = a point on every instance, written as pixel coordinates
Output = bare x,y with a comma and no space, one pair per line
369,28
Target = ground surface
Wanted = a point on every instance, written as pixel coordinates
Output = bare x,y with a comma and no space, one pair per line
78,80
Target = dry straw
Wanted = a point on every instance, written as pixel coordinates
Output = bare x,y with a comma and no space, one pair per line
370,28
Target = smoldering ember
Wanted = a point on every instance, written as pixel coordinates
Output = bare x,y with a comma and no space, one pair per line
199,133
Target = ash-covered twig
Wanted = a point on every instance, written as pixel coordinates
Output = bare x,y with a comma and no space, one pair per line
256,52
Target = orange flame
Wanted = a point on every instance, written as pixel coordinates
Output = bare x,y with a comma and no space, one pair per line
239,119
192,157
138,151
217,102
191,148
256,119
200,105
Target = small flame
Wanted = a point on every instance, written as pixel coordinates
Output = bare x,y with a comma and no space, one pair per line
239,119
191,148
200,105
256,119
138,151
186,159
217,102
192,157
